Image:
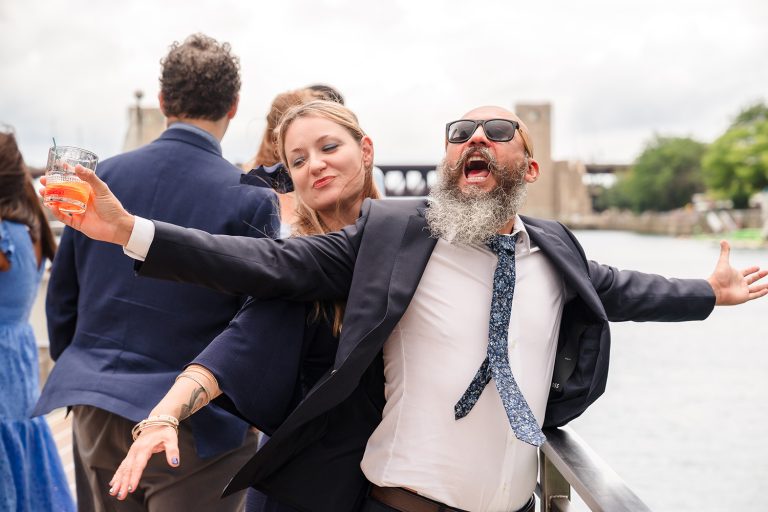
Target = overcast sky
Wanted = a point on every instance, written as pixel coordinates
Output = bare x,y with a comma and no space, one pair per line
615,72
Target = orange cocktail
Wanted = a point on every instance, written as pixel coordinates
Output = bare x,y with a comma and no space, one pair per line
63,188
68,196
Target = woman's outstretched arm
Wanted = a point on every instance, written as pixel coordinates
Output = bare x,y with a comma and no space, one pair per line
194,388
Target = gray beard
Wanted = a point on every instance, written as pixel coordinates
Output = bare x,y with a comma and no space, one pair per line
472,217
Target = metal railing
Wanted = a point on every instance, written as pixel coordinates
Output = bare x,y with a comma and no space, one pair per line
565,463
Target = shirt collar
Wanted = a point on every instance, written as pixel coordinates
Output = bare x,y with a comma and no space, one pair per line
523,239
195,129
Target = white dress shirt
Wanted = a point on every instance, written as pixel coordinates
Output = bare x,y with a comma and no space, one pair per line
475,463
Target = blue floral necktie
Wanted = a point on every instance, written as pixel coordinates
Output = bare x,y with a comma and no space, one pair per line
496,363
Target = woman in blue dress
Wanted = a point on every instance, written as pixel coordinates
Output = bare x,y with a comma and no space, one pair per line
31,474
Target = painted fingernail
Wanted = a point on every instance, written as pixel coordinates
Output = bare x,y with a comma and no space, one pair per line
175,461
120,494
111,490
130,488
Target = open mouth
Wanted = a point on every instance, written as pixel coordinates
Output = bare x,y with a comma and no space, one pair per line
476,169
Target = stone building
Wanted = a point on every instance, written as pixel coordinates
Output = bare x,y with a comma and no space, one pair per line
560,192
144,124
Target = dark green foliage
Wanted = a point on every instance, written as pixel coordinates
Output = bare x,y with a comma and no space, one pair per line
736,165
664,177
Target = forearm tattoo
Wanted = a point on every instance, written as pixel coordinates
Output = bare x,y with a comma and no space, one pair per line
194,403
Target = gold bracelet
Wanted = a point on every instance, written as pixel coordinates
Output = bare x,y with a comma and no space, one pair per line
152,421
206,374
205,390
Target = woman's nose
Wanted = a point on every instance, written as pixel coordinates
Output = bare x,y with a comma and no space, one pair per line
316,164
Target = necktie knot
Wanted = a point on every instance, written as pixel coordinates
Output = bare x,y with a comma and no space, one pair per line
502,244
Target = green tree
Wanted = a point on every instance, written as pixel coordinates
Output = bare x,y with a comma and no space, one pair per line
736,165
664,177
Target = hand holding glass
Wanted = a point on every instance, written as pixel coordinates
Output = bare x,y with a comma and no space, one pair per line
63,188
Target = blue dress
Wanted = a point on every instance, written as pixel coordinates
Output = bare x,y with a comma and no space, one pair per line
31,474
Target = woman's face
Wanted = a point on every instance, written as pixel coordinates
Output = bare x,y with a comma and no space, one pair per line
327,167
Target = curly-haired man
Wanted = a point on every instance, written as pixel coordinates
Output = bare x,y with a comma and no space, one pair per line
119,342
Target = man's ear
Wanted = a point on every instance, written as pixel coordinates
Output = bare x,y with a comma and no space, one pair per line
233,108
532,172
161,101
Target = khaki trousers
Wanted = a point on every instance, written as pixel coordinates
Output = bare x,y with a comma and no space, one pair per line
102,440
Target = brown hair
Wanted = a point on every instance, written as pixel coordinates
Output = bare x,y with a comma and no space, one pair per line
326,92
18,200
308,222
267,154
200,78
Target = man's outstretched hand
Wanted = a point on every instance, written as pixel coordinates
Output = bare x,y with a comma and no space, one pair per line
104,219
734,286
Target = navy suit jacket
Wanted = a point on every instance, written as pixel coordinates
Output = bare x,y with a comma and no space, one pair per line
312,459
119,341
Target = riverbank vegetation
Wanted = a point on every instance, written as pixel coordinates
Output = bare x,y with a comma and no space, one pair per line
671,169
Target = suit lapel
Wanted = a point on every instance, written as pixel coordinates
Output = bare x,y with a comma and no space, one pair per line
570,263
358,350
399,282
411,260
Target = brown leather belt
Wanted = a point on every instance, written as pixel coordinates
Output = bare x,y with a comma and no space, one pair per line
407,501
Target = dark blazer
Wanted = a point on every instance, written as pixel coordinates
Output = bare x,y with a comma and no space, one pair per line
378,263
119,341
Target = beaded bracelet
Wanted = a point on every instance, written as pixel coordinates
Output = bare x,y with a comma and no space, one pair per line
162,419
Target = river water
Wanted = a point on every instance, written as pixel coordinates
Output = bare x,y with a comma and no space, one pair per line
684,418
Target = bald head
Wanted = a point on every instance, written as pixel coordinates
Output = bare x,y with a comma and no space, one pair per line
491,112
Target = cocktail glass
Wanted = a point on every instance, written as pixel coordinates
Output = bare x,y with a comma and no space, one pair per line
62,187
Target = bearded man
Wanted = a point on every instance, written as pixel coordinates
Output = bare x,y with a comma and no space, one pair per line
467,329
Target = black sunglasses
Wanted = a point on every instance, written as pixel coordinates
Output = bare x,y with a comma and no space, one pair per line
497,130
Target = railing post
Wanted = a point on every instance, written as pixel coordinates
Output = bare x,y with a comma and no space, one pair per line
555,489
568,463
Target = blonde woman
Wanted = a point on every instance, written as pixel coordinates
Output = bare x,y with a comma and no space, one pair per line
274,351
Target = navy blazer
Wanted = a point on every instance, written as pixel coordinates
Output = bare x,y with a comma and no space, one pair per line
119,341
269,357
312,460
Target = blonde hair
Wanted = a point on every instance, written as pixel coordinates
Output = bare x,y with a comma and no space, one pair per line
308,222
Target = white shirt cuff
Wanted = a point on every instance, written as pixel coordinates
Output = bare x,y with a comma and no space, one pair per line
141,238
